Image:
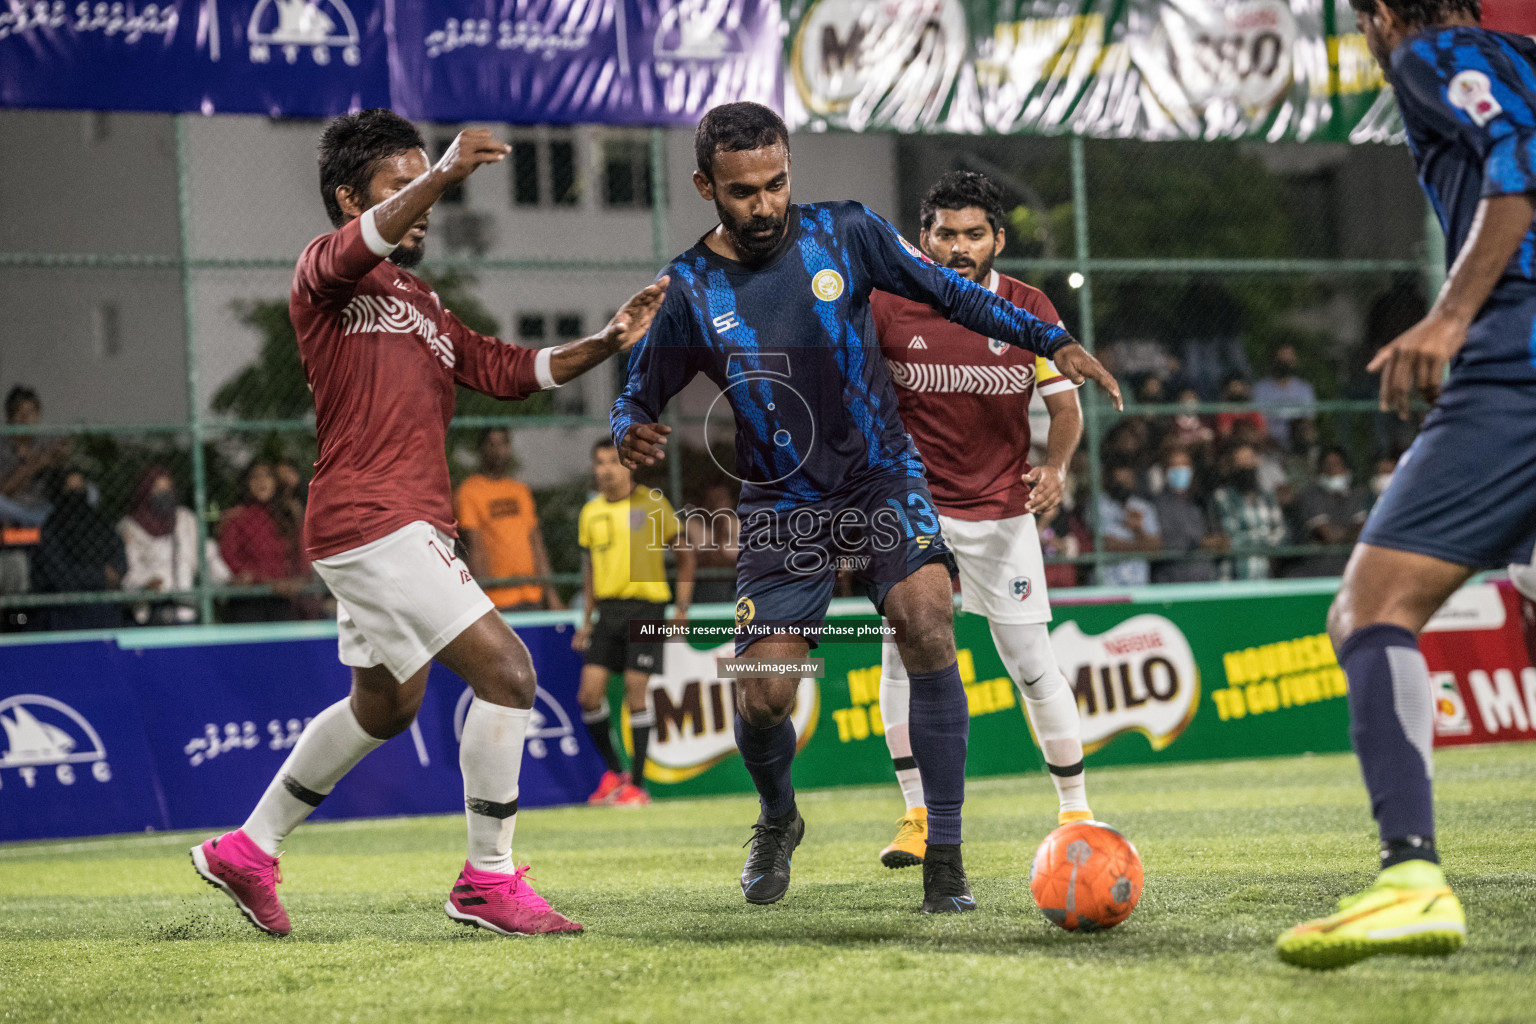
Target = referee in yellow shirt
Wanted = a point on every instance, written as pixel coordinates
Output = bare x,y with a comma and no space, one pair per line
623,533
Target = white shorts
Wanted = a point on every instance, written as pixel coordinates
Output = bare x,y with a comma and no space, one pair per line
401,599
1002,572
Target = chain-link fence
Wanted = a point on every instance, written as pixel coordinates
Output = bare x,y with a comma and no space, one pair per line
153,467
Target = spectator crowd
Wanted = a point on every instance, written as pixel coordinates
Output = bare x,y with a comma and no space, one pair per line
1185,497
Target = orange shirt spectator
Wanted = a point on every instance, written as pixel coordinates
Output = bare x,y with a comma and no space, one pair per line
500,528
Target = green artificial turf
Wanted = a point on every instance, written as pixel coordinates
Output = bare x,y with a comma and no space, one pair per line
121,929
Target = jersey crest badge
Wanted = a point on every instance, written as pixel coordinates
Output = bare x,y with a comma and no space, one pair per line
997,347
744,611
1473,92
828,285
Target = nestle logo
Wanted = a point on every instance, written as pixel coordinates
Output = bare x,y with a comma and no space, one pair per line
1132,644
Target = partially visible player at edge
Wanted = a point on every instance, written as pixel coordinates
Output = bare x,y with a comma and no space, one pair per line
384,359
964,399
1464,496
772,305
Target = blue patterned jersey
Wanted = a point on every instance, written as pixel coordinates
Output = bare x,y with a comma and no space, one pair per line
1468,98
792,347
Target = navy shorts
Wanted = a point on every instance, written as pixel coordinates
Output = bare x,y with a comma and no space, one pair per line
1465,491
879,535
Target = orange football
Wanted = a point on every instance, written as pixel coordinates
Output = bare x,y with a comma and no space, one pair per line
1086,877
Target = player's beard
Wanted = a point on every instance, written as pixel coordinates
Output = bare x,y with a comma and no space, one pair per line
982,273
752,248
405,258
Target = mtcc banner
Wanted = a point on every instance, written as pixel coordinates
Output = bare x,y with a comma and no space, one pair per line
651,62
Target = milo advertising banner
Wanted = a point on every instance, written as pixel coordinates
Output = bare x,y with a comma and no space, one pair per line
1178,680
1147,69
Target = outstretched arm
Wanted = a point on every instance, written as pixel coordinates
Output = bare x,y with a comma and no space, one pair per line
333,265
628,326
897,266
501,370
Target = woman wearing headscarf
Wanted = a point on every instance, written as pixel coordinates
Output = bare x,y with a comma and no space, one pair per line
161,540
260,542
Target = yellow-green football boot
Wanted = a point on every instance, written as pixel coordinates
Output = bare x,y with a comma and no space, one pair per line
1408,910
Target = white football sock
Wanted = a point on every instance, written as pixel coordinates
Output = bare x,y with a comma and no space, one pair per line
1050,704
491,758
895,700
330,746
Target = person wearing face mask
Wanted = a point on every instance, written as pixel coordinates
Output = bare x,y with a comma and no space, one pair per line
1249,515
77,551
1185,526
1128,522
1332,512
160,537
1287,393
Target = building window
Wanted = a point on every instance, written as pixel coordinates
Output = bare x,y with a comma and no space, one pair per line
453,196
545,168
531,329
627,172
525,173
564,184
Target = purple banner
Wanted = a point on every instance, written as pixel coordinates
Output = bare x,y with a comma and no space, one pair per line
641,62
304,58
98,736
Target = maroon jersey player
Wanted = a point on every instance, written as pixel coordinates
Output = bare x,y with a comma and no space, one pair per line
384,358
965,401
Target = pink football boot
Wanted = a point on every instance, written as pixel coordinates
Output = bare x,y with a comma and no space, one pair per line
505,904
247,874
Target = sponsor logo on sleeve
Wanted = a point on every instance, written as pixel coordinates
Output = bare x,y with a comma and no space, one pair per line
1472,92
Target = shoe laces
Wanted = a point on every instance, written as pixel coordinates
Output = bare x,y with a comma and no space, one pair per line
515,888
908,827
944,878
768,843
267,871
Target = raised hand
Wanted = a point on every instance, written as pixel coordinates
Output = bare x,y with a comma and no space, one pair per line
471,149
1078,364
632,320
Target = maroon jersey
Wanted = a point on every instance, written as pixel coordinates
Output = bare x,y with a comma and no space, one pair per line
965,399
382,357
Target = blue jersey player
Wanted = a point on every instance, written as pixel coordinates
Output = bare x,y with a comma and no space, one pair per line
773,307
1464,495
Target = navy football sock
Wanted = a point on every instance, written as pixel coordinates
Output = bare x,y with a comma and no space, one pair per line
1392,730
768,754
939,725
